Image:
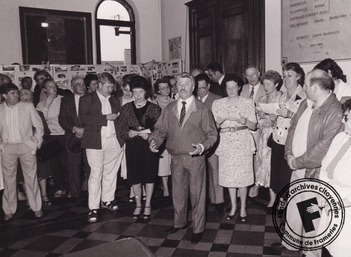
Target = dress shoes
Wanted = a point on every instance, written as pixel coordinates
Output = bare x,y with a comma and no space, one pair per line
196,237
219,208
38,214
173,230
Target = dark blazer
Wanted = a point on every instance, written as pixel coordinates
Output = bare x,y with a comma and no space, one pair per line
218,89
92,119
68,115
198,127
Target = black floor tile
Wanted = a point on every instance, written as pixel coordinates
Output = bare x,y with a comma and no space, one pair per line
188,252
113,227
87,244
219,248
248,238
170,243
82,234
45,243
7,252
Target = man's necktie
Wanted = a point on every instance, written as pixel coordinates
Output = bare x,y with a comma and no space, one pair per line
252,93
331,167
182,113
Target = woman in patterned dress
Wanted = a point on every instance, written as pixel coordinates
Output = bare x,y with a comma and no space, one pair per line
272,81
235,116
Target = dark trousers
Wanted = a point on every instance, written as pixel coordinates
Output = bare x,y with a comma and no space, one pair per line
77,162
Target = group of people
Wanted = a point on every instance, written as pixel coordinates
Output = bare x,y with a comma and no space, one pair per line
207,131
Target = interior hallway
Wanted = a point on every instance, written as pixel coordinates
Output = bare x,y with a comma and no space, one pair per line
64,229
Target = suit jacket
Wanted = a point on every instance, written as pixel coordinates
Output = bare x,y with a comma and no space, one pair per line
325,124
92,119
28,119
218,89
247,89
210,99
198,127
68,117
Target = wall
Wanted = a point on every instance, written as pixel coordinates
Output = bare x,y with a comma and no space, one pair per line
147,14
273,41
174,24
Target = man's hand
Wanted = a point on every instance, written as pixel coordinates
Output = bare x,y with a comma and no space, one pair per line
112,116
153,147
145,136
198,149
79,132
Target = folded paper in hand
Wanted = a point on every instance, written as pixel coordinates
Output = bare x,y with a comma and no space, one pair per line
270,108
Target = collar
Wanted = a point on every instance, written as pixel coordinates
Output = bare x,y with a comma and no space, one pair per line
221,80
11,107
188,101
75,95
101,97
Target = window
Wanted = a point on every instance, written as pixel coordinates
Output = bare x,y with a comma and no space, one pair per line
60,37
115,32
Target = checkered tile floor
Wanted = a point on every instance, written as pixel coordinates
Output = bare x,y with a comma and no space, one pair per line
64,229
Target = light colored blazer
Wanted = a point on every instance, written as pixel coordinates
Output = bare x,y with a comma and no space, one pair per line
246,92
31,126
198,127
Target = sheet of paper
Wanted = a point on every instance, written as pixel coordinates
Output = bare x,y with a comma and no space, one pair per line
269,108
144,131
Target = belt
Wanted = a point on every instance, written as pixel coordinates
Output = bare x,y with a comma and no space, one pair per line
232,129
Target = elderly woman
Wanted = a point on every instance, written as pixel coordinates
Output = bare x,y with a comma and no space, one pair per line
272,81
293,94
235,116
335,171
163,98
136,122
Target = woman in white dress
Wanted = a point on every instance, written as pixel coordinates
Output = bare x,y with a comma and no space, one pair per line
235,116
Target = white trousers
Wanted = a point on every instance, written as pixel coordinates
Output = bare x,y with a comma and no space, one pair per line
10,155
104,164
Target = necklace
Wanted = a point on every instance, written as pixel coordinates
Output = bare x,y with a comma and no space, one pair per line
140,104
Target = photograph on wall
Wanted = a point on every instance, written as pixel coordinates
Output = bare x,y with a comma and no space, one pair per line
175,48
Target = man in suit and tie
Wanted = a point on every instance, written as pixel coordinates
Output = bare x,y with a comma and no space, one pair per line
69,121
202,87
190,130
98,112
254,89
215,71
19,141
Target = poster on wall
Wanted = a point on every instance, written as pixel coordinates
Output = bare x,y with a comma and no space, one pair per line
175,48
315,30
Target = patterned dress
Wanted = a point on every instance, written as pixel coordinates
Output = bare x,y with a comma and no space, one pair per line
235,149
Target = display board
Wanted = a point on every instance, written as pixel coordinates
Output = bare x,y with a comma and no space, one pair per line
63,74
315,30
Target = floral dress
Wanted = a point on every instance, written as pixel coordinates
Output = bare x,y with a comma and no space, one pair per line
235,150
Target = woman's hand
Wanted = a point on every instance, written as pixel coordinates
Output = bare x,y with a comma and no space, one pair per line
132,133
220,120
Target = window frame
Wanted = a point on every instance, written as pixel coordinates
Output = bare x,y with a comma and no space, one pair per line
116,23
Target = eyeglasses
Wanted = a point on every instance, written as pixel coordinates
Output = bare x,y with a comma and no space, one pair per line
251,75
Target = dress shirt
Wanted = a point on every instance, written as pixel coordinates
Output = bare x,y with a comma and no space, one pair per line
13,124
76,101
204,98
188,101
221,79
